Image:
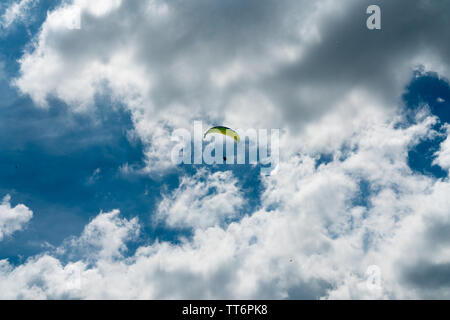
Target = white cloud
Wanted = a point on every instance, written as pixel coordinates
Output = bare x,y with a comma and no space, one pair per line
16,11
12,219
103,238
202,201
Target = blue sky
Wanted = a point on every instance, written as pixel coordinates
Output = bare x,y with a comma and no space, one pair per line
427,90
363,121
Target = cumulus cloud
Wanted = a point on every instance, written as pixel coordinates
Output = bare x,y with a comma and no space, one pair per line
311,68
103,238
202,201
12,219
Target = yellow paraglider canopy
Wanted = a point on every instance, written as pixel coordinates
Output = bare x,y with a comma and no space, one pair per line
225,131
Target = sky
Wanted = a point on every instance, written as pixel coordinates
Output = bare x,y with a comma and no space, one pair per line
93,207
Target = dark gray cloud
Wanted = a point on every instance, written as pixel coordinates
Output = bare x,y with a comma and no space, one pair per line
428,279
349,56
338,54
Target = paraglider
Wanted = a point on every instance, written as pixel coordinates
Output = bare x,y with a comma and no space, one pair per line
223,130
